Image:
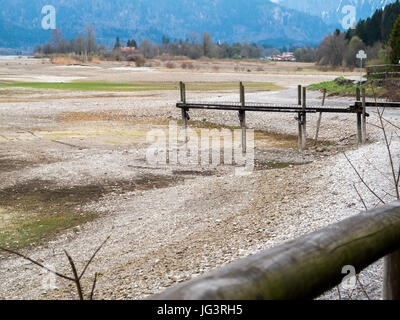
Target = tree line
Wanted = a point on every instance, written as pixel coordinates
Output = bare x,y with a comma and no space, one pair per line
83,45
193,47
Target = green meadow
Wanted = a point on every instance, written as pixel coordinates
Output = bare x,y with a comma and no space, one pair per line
129,87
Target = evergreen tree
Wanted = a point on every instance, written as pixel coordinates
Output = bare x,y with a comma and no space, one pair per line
132,43
378,27
394,42
117,44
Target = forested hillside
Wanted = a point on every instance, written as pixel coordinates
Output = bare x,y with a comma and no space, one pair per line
378,27
371,35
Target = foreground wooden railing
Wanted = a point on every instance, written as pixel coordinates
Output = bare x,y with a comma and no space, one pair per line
304,268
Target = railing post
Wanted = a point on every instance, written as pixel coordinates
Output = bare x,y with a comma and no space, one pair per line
391,277
242,118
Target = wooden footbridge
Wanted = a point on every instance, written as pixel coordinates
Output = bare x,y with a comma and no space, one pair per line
301,109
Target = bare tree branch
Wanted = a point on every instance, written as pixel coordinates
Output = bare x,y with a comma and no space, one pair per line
93,256
36,263
93,286
361,198
375,125
362,287
339,294
391,123
377,169
394,173
76,278
362,180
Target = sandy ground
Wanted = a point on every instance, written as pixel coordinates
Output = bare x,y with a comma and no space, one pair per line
37,70
170,222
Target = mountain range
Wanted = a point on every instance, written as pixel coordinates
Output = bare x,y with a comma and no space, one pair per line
274,23
330,11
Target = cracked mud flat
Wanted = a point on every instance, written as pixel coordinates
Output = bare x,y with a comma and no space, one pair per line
168,223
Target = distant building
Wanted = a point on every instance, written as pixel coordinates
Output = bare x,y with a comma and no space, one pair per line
127,49
285,56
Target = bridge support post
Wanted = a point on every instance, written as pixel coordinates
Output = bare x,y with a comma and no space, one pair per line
359,128
302,118
364,118
184,111
299,118
242,118
359,119
319,118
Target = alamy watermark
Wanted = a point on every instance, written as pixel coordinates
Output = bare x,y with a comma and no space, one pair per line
349,282
349,20
209,147
49,20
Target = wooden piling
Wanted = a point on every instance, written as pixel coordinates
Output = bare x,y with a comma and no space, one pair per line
242,118
364,117
359,120
183,93
182,87
320,118
299,95
304,121
358,94
299,118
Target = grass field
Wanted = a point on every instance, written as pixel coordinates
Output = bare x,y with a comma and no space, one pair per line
334,88
129,87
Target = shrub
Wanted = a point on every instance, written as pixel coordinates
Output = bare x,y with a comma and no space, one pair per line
130,58
170,65
140,61
117,55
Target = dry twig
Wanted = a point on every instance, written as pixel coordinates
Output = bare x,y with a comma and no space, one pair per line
76,278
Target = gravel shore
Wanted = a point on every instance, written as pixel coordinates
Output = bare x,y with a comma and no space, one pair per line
198,218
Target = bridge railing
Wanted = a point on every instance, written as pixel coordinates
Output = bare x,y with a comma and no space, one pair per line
304,268
385,71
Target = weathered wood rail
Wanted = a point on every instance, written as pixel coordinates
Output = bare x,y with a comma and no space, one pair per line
379,104
304,268
384,71
301,108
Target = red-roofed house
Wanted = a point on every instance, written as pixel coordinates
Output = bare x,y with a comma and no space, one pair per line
127,49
